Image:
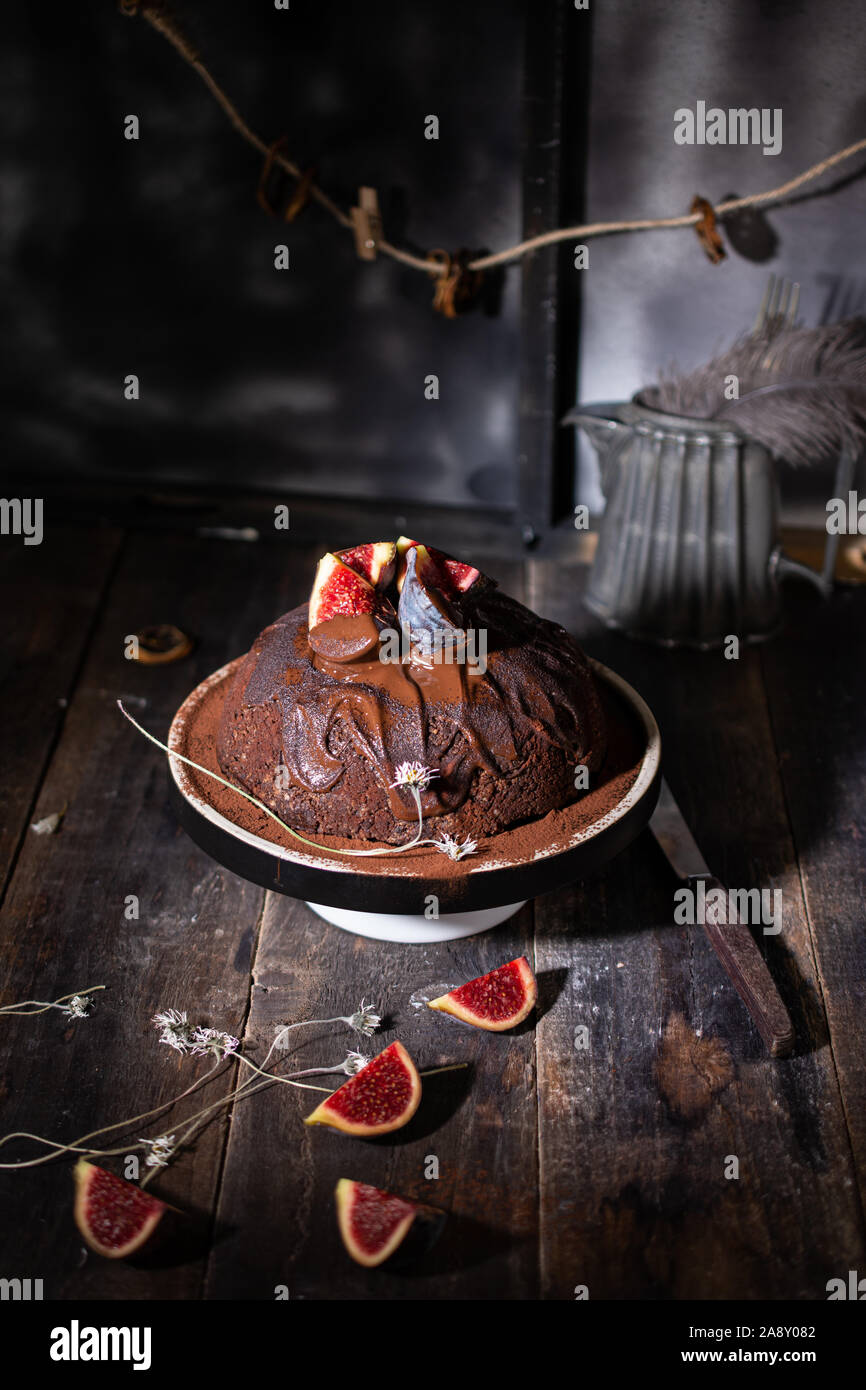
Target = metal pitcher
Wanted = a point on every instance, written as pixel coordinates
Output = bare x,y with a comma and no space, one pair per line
688,551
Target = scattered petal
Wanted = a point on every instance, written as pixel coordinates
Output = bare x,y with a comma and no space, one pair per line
49,825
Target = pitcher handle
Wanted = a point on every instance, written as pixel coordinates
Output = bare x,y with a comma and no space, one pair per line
783,567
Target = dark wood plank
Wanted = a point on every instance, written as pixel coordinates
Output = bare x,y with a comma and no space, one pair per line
816,676
49,595
635,1132
63,925
277,1202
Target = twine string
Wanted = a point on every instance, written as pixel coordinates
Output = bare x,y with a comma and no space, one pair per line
161,20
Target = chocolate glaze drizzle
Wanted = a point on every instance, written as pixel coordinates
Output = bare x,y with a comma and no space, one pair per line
446,716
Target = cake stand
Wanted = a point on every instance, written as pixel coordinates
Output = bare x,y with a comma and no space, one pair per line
391,905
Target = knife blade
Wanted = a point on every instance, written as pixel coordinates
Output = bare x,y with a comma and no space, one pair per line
732,941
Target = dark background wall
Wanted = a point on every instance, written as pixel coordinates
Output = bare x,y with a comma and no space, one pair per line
153,257
653,298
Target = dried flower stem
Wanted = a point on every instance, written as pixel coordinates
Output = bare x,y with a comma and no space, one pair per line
28,1007
76,1145
254,800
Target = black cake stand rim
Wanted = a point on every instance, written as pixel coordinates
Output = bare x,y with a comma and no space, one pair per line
298,875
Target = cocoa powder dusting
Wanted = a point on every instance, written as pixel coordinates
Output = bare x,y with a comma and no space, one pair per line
626,746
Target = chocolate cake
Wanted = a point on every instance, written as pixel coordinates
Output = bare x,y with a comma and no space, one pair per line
405,658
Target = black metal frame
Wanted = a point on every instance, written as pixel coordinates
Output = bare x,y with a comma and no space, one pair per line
555,104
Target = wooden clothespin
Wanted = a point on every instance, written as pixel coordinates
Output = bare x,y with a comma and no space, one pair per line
367,224
708,231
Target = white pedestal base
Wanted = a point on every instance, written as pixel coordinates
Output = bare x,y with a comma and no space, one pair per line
413,930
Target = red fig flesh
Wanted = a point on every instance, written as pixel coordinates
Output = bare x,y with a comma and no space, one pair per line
372,1223
375,561
384,1095
496,1001
115,1217
338,590
452,577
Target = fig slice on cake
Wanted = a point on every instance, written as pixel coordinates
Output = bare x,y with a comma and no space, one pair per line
381,1097
496,1001
346,613
338,591
372,1223
451,576
114,1216
423,606
375,561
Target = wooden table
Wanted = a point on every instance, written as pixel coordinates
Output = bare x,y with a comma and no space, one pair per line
560,1166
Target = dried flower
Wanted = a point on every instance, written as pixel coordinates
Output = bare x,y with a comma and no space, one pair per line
354,1062
414,775
211,1042
161,1151
363,1020
78,1006
453,848
176,1030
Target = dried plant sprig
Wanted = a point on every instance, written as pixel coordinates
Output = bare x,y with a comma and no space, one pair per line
161,1150
364,1020
176,1020
79,1145
76,1005
414,775
254,801
454,849
211,1042
176,1029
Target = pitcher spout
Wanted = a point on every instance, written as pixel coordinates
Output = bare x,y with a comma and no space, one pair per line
604,423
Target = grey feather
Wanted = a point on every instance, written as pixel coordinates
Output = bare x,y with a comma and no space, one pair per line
802,391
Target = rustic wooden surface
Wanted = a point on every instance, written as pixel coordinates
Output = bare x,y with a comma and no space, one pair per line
561,1166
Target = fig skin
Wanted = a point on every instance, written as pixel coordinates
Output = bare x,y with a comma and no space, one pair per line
423,607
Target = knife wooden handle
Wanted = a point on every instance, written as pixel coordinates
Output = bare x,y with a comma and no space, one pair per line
735,946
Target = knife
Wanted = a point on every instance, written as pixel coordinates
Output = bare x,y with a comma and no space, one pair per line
733,943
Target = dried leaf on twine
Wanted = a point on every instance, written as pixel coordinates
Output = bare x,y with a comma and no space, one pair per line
802,391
